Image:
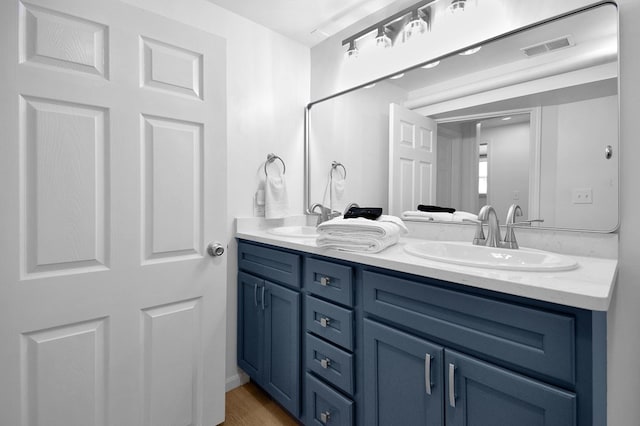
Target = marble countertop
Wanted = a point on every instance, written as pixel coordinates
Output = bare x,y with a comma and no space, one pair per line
589,286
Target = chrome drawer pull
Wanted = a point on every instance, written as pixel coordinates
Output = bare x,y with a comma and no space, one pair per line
427,373
452,385
325,362
325,416
324,281
324,322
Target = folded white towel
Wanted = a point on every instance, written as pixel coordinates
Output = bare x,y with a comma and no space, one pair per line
357,243
276,201
381,227
458,216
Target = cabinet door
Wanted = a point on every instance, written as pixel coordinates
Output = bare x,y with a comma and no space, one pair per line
478,393
403,382
250,325
282,346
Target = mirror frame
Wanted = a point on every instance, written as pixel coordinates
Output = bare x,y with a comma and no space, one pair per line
307,111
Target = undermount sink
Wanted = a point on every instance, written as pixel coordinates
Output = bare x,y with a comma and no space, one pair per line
462,253
297,231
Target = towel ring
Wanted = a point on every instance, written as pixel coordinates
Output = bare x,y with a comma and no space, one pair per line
335,165
270,159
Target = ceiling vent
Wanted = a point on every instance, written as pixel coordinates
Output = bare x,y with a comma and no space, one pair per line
548,46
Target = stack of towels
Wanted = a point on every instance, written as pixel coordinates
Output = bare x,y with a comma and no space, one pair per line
360,234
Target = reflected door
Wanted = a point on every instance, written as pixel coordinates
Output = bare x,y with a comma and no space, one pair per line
112,181
412,160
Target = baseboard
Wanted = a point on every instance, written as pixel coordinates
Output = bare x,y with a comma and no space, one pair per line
235,381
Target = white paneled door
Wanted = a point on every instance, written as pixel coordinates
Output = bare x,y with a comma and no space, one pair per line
112,183
412,160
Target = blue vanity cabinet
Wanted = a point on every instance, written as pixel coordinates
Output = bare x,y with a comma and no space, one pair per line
339,343
269,327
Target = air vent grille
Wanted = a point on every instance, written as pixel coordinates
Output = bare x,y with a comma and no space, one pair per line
548,46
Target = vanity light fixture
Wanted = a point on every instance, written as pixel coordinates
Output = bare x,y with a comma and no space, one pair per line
352,51
370,86
382,39
506,118
431,65
397,76
407,23
471,51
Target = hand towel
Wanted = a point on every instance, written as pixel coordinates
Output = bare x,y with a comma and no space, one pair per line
276,201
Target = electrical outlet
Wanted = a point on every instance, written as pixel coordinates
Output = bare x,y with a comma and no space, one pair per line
582,196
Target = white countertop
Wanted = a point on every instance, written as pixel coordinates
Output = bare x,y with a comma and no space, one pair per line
590,286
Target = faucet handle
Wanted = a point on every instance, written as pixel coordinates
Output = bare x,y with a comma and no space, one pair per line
526,222
478,239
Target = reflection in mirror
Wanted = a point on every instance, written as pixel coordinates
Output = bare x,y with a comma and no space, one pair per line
525,120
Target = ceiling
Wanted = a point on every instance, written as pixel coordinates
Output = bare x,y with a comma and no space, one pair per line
306,21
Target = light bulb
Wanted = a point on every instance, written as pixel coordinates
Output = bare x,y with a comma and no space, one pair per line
415,27
382,39
352,51
457,6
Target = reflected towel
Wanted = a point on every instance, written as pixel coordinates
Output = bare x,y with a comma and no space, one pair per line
459,216
276,202
337,193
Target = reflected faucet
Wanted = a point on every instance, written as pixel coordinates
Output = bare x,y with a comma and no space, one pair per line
325,213
510,236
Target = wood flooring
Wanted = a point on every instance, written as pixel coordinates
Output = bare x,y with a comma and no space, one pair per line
249,405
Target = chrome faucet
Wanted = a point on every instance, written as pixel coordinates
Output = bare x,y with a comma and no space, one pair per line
488,214
325,213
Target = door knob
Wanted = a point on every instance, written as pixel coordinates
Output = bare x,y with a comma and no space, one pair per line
215,249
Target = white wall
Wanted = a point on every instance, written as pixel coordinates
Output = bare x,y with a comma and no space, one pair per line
267,90
624,315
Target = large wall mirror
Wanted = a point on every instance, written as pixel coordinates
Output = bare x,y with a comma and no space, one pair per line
531,118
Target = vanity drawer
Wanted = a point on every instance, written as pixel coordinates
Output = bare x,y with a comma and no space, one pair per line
330,322
328,280
330,363
273,264
326,406
537,340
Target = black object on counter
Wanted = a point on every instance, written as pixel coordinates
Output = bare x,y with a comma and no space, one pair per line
435,209
367,212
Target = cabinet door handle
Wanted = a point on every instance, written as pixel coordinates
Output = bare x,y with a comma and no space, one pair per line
324,322
427,373
452,385
324,281
255,295
325,416
325,362
262,298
